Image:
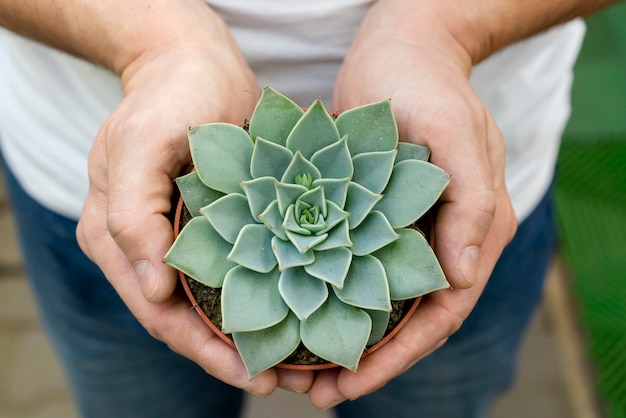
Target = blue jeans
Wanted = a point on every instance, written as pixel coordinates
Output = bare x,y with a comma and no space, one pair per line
115,369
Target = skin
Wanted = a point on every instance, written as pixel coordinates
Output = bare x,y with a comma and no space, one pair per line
419,54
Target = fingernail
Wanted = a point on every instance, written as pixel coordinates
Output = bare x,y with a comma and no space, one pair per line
467,265
298,390
149,278
333,404
258,395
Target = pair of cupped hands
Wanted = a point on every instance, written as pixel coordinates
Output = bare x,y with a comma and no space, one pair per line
187,81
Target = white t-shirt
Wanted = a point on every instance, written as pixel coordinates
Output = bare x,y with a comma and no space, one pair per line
52,104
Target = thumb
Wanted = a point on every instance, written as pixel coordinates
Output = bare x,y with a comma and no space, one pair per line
130,192
476,219
137,221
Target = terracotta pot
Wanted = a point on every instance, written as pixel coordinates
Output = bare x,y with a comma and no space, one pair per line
407,312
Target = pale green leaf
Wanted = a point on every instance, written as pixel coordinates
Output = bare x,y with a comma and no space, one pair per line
410,151
338,237
269,159
304,243
265,348
369,128
334,161
253,249
288,256
200,252
335,190
195,193
411,265
221,153
331,265
287,194
302,292
372,170
314,131
380,322
365,285
414,188
291,222
359,202
337,332
372,234
274,117
228,215
260,193
334,216
299,166
251,301
313,197
273,220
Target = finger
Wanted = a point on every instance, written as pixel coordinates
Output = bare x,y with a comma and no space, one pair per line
473,154
427,330
294,380
139,190
171,321
325,393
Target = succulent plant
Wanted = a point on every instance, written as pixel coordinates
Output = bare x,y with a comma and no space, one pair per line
303,220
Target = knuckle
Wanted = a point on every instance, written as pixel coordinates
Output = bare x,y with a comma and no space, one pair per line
121,225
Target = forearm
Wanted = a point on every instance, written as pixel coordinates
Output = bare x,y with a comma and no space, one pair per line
112,33
482,27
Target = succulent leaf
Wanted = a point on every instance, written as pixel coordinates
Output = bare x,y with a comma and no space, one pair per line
263,305
359,202
261,192
253,249
315,130
336,190
337,332
228,215
365,285
195,193
200,252
410,151
411,265
414,188
372,234
334,161
303,293
273,220
304,243
221,153
369,128
267,347
287,194
339,236
372,170
269,159
299,166
334,216
288,256
274,117
380,321
331,265
313,198
292,224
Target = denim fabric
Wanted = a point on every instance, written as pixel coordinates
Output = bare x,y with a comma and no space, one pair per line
116,369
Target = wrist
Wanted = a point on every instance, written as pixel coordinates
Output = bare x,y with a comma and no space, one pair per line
482,27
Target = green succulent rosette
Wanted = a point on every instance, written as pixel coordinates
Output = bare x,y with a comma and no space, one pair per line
303,222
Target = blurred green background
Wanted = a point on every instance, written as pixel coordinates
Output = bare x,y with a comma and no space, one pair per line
591,203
